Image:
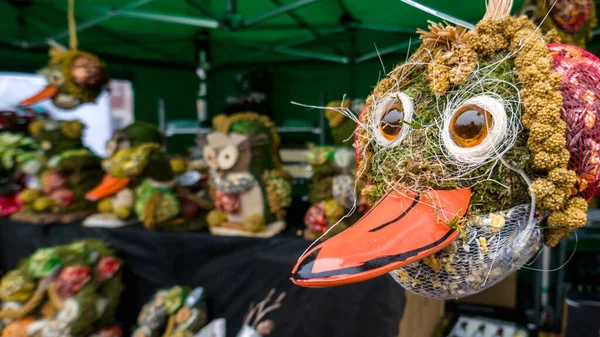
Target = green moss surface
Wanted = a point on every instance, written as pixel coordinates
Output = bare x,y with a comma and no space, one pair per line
418,162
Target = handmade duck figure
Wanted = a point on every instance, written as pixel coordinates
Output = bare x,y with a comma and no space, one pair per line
140,185
574,20
175,312
252,192
74,77
63,291
59,176
479,149
332,192
138,181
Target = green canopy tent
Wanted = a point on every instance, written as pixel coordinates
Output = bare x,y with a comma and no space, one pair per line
314,47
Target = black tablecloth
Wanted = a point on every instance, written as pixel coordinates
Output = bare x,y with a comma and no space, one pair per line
233,271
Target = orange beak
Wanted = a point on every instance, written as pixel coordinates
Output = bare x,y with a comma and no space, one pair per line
46,93
109,186
398,230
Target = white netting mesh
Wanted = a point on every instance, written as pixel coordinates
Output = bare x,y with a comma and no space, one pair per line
493,247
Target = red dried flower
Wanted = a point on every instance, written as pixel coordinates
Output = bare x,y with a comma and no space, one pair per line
106,268
52,181
314,219
227,203
63,196
111,331
9,205
71,280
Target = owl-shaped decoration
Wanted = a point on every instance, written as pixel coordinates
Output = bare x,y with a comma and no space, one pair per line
573,20
251,191
478,150
333,188
71,290
74,77
174,312
58,176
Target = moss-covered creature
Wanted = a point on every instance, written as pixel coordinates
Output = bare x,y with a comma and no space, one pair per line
250,187
74,77
68,290
59,175
475,151
174,312
140,184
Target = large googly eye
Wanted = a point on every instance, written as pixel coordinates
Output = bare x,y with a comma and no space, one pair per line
392,121
210,157
228,157
392,114
470,125
475,130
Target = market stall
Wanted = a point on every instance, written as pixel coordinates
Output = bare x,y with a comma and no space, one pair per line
234,272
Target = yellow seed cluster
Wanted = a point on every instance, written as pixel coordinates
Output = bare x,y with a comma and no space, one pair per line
215,218
72,129
451,67
254,223
542,102
562,223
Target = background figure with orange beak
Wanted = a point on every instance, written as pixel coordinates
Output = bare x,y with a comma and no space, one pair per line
59,175
478,150
74,77
139,184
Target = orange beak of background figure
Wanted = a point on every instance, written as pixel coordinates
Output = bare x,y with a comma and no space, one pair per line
398,230
109,186
46,93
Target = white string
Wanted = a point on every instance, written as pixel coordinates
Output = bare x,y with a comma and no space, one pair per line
561,266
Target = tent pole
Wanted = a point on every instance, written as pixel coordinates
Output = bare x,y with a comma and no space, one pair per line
290,44
199,5
299,52
276,12
179,19
232,7
308,27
